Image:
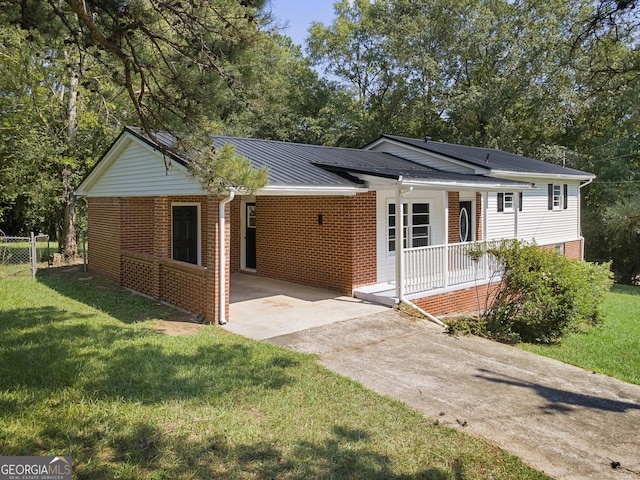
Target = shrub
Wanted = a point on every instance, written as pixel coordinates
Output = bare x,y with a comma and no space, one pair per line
543,294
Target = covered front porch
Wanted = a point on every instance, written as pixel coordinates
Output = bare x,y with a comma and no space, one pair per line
433,270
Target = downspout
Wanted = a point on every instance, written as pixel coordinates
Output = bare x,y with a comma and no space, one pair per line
580,217
222,249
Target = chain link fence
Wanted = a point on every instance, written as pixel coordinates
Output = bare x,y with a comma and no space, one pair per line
22,256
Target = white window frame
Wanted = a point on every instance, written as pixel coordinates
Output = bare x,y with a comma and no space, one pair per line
557,196
408,236
198,206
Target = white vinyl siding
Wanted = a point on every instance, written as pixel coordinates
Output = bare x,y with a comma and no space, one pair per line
139,170
499,223
537,222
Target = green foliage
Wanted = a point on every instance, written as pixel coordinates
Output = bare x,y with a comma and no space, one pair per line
222,169
543,294
621,232
611,347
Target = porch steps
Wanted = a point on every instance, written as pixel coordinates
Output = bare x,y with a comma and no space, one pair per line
383,294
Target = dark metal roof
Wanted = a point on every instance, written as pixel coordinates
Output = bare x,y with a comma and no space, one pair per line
295,164
489,158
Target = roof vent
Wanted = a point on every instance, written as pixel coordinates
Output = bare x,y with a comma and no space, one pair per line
427,138
486,160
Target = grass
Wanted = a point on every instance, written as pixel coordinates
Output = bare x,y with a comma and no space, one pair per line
612,347
84,372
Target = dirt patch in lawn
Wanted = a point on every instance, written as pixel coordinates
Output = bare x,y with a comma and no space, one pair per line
176,327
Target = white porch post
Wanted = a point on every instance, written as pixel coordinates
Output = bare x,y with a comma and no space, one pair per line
399,242
485,210
445,254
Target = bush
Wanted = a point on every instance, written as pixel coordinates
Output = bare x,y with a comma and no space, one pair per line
543,294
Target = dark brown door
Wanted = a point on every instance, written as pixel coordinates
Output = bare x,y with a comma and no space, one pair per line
466,222
250,236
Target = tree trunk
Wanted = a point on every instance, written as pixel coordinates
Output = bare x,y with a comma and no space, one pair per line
68,241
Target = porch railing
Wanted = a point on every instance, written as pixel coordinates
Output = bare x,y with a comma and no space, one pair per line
437,266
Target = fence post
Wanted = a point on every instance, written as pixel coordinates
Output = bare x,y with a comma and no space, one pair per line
32,250
84,251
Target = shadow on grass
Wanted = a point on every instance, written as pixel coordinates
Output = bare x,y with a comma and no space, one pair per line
48,349
142,448
102,294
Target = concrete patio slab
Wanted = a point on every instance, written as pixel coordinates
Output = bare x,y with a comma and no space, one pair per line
563,420
261,308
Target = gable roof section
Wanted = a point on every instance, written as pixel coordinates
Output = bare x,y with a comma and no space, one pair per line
497,162
134,165
296,164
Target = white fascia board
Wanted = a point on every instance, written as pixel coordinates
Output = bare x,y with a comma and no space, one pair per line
530,177
476,169
382,183
275,190
455,186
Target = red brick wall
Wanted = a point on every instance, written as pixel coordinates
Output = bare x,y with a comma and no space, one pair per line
139,273
454,217
459,301
293,246
573,249
364,240
137,216
183,285
236,235
104,236
130,242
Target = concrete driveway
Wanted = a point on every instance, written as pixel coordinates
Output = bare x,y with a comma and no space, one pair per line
565,421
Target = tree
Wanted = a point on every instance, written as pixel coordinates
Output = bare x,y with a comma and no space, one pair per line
177,62
40,144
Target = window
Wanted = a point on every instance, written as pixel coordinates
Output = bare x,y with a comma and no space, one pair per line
506,202
417,230
558,196
185,233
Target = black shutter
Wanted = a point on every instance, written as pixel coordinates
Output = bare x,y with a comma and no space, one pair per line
551,196
501,202
520,201
565,196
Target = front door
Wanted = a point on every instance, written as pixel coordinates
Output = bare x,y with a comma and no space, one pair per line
250,236
466,223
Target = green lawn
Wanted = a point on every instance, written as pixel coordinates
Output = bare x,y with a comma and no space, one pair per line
84,373
613,347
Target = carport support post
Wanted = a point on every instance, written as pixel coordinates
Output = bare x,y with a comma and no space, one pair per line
222,270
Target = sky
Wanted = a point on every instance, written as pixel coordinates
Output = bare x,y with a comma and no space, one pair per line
298,15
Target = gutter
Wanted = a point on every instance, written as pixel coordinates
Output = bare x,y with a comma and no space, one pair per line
222,252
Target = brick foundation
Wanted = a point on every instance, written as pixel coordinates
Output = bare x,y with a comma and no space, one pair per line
459,301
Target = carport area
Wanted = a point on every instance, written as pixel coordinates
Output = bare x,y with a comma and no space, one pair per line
262,308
